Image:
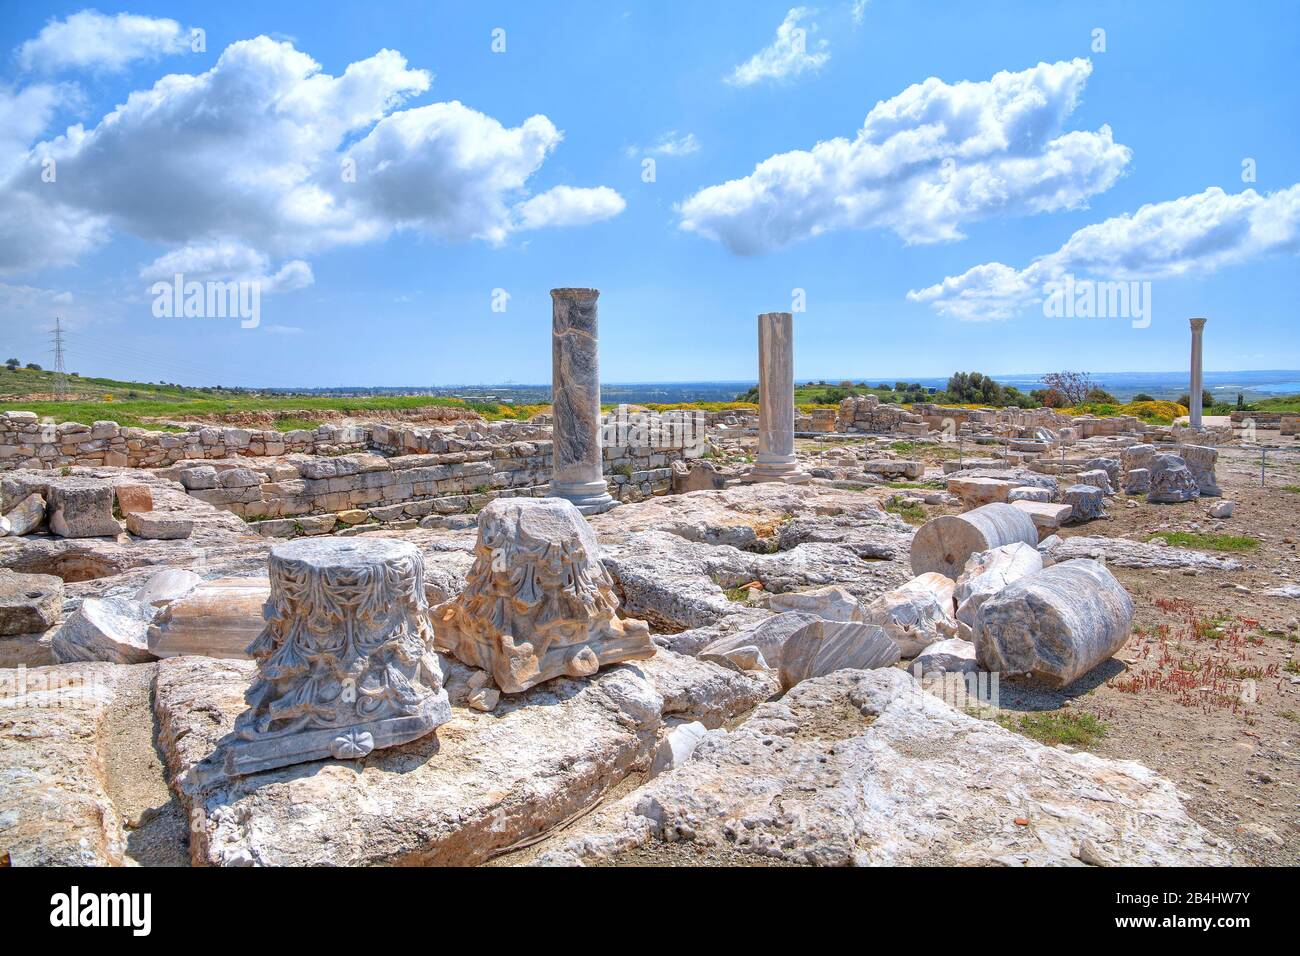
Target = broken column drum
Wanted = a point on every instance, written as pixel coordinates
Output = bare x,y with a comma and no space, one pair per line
577,470
1054,625
944,543
775,460
346,663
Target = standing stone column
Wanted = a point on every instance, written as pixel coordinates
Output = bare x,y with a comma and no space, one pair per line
776,461
577,472
345,664
1198,327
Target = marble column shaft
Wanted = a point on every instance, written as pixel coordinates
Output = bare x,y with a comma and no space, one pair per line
577,470
776,460
1197,387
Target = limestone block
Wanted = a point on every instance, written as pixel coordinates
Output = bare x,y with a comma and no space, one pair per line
1137,456
131,498
988,572
1111,466
82,508
167,585
538,603
219,618
895,468
821,647
157,526
1055,625
944,543
26,516
1099,479
1047,517
112,629
1087,503
29,602
976,491
917,614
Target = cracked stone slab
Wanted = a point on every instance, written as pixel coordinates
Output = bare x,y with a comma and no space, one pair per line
1124,553
54,804
477,786
863,768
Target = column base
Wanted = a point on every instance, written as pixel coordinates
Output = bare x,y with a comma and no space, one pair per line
589,497
777,468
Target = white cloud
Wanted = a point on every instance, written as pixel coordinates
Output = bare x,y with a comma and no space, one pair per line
859,12
567,206
788,55
266,155
671,144
227,260
924,163
91,40
1191,235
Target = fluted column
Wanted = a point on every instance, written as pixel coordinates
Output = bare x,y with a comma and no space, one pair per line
776,460
577,472
1198,327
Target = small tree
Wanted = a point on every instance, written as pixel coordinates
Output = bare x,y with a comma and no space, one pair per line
12,363
1143,397
1075,386
33,366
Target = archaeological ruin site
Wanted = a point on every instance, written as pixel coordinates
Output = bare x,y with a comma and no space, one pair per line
869,635
521,441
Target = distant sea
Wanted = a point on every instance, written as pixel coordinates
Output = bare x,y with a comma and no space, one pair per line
1123,385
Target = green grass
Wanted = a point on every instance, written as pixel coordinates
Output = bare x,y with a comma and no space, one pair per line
142,405
1207,542
1062,727
1292,667
740,595
912,514
1294,489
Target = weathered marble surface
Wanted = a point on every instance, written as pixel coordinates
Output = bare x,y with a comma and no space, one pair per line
917,614
54,804
482,784
1054,625
989,572
776,460
1124,553
538,602
346,662
576,474
944,543
1172,481
29,602
863,769
821,647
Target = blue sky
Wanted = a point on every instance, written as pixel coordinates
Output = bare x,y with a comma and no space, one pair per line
390,281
